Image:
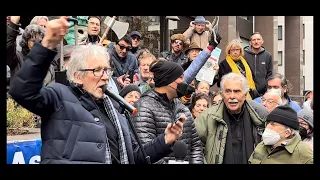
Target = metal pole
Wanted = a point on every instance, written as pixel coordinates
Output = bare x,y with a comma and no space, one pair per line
168,42
76,34
61,55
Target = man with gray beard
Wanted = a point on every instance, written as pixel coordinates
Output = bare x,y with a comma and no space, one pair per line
230,129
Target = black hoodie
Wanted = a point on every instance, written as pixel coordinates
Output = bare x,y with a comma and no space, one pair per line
262,66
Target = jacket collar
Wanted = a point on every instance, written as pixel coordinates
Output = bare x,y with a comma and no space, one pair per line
217,112
292,143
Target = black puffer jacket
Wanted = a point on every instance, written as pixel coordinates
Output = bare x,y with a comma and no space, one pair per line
155,112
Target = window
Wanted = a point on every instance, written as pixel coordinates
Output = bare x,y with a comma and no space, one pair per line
279,32
279,58
303,30
303,57
244,17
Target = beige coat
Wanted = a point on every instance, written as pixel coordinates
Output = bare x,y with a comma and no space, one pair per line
202,40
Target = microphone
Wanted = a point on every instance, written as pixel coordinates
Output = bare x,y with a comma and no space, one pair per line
180,152
119,99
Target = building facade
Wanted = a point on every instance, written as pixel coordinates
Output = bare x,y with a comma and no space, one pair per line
288,38
304,50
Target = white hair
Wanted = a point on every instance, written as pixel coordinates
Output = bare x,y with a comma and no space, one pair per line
276,93
37,18
79,57
234,77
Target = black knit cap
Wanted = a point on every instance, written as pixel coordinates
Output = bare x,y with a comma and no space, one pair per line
129,88
165,72
284,115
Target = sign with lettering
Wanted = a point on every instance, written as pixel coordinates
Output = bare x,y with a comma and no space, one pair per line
24,152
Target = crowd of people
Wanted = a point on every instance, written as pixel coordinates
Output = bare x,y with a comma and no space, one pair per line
250,119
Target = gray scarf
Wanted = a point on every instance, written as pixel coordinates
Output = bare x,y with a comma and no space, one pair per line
111,113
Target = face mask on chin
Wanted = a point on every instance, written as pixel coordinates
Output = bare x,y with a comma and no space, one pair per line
271,137
303,132
152,85
184,89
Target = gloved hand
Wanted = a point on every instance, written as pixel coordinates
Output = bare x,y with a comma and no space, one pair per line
192,24
215,41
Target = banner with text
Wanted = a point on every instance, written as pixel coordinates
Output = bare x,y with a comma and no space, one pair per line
24,152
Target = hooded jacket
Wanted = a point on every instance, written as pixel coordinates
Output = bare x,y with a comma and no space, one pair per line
261,65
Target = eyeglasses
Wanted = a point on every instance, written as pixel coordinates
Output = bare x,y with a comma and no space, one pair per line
178,42
233,50
128,48
269,101
135,38
98,72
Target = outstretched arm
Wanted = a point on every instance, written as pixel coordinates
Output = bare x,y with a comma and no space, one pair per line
26,87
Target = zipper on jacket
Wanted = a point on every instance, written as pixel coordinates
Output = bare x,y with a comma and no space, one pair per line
255,64
220,139
220,136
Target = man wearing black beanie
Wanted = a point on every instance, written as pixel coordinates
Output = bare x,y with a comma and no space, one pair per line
159,107
282,143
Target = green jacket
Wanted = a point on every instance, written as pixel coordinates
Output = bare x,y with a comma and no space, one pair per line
212,130
295,152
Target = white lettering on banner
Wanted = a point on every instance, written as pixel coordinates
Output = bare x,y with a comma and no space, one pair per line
18,158
34,160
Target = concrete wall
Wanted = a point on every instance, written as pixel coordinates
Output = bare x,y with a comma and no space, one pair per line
308,47
268,27
281,45
293,55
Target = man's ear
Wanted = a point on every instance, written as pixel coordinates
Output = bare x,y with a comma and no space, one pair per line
288,133
285,88
78,79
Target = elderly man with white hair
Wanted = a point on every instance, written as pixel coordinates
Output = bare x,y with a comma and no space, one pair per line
271,99
80,124
232,128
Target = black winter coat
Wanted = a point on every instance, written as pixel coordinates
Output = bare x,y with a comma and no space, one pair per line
72,131
155,112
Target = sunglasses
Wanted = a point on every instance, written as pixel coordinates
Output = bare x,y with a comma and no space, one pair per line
135,38
128,48
178,42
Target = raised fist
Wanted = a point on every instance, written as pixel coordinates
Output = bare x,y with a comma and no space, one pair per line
55,31
15,19
192,24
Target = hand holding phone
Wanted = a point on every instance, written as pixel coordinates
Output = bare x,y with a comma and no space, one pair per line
182,118
131,74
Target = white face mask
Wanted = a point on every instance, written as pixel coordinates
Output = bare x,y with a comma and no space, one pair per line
278,91
270,137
